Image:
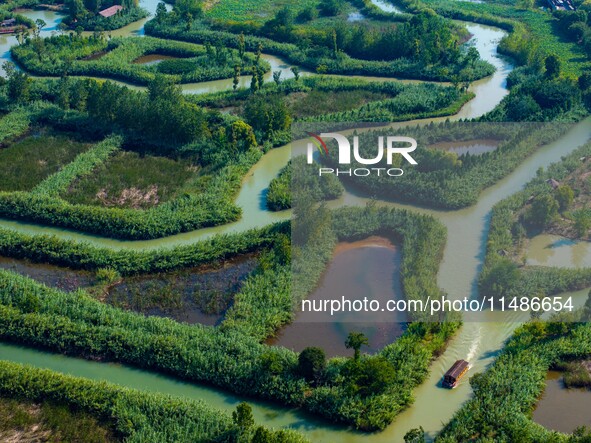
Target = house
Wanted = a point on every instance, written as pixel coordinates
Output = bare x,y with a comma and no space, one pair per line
9,22
110,12
554,183
561,5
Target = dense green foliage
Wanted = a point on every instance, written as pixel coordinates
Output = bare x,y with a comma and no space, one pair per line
505,395
120,58
323,188
32,159
97,330
189,212
443,179
79,255
323,57
157,120
82,165
131,180
533,34
330,99
502,276
82,18
136,416
13,125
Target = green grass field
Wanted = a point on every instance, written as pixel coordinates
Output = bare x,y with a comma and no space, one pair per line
252,10
325,102
129,180
29,161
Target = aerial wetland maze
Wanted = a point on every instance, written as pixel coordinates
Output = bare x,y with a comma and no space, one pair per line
146,250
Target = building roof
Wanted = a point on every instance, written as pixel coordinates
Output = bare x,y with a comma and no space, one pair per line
457,368
553,182
109,12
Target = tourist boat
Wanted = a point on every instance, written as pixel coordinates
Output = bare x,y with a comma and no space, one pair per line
454,374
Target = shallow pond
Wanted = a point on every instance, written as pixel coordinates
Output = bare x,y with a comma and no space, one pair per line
54,276
554,250
95,56
195,295
563,409
152,59
368,268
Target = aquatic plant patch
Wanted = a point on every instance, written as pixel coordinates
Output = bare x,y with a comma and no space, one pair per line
135,415
27,162
78,56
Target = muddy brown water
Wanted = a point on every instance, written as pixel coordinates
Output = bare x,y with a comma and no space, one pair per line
367,268
53,276
563,409
195,295
152,59
95,56
554,250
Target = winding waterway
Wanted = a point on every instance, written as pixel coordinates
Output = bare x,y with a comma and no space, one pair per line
467,229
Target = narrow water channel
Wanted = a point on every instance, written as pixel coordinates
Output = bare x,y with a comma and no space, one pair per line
477,342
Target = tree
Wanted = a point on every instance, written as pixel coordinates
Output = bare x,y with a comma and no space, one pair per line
184,7
160,12
242,416
331,7
335,47
277,77
368,376
311,363
242,136
354,341
321,69
585,81
526,4
564,195
257,58
39,25
254,81
544,210
241,46
296,72
582,219
267,114
236,79
416,435
19,83
63,98
188,17
552,64
76,9
472,56
262,435
260,73
500,278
